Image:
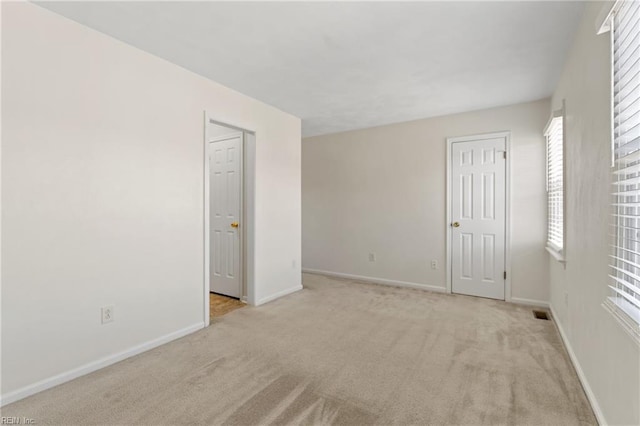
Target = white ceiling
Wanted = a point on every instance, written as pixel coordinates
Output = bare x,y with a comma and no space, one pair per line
346,65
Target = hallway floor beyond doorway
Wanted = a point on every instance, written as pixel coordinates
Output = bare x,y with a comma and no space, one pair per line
220,305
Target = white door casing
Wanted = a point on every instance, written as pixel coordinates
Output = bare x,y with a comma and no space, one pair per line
478,216
225,207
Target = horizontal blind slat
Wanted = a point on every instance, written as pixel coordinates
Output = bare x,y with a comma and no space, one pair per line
628,143
629,158
626,17
628,274
625,109
631,263
626,284
628,181
618,248
627,193
626,296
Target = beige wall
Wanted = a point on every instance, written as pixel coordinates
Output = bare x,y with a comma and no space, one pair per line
606,356
102,197
383,190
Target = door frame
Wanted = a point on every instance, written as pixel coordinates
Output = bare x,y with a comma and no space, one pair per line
507,234
247,217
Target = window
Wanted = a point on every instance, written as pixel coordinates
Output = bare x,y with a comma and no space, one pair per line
624,300
555,185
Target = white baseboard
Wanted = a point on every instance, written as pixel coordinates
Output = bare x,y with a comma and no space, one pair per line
279,295
374,280
530,302
576,365
95,365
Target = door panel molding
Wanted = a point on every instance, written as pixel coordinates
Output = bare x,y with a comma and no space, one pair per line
449,230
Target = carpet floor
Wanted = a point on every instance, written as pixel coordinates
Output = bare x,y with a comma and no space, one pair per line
338,352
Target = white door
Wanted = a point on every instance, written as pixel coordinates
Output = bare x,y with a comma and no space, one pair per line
225,186
478,215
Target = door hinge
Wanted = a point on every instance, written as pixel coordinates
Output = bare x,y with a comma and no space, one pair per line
504,154
505,275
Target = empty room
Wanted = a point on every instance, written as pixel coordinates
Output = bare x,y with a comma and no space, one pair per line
349,213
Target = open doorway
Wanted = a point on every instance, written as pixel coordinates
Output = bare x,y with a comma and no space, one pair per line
229,154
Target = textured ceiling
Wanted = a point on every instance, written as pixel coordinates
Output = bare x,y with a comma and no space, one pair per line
346,65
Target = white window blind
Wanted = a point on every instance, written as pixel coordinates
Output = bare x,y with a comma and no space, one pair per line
555,184
625,257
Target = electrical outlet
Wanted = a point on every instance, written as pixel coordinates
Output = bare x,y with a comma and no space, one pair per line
372,257
107,314
293,264
434,264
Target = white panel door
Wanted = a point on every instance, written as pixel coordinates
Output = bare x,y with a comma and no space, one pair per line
225,186
478,216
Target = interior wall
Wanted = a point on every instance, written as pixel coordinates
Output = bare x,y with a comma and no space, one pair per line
606,357
383,190
102,197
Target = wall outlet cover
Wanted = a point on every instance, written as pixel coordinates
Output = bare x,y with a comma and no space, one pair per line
107,314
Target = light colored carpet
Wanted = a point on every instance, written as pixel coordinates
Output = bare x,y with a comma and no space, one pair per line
220,305
338,352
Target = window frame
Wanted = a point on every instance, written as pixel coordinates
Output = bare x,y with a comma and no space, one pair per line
558,116
626,313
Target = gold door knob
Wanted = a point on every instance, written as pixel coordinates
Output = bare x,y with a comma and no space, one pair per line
455,224
234,224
